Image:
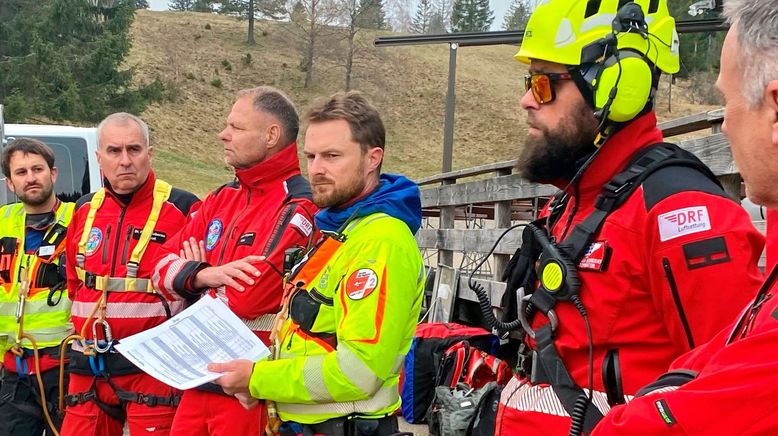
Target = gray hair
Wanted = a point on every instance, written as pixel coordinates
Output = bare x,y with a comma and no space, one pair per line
274,102
123,118
757,27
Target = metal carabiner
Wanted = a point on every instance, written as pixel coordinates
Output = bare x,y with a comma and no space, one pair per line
106,333
523,303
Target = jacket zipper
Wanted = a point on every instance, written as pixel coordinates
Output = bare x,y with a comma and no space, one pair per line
126,244
116,242
278,230
228,233
107,241
677,300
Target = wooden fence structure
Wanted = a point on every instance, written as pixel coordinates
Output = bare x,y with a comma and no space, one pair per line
493,192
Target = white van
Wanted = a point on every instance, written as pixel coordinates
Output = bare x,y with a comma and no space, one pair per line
74,156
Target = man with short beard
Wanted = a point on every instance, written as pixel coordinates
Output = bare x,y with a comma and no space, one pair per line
643,254
351,308
32,242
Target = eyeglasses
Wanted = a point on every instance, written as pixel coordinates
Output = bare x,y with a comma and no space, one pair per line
541,85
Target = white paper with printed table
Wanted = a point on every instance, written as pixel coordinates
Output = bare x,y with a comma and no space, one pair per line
178,351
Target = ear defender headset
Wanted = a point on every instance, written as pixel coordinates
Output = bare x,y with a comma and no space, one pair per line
619,81
615,49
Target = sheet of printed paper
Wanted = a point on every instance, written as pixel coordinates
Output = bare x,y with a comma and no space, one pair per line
178,351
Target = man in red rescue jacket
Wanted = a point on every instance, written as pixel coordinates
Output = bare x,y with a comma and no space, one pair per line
113,239
729,385
652,257
235,243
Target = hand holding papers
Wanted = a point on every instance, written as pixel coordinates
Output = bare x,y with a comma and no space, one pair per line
178,351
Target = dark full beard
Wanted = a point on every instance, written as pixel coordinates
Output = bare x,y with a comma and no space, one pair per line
555,156
36,200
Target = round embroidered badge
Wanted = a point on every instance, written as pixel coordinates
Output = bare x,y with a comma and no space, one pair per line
361,283
93,241
214,233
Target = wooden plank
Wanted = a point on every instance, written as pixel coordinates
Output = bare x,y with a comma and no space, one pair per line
511,187
469,240
502,219
468,172
493,288
714,151
679,126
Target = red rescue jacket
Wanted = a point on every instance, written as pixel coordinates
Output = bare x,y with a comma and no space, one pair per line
772,238
265,211
734,390
113,235
668,270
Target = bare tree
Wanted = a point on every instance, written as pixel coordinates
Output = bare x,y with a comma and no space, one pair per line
309,18
352,12
398,15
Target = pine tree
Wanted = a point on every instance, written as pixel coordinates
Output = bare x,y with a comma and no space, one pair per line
517,16
423,17
249,9
371,14
61,59
471,16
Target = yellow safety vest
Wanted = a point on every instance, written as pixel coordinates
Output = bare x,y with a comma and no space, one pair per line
130,283
47,320
349,362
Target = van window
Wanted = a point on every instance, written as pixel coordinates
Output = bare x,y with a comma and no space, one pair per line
71,157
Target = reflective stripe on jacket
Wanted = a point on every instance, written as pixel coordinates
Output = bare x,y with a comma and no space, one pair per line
116,230
48,324
350,362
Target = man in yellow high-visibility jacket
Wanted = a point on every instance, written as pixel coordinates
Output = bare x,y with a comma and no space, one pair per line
351,308
33,300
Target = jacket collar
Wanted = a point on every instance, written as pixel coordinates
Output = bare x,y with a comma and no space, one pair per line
616,153
145,190
280,166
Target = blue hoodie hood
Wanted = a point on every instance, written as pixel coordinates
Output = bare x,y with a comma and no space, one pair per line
396,196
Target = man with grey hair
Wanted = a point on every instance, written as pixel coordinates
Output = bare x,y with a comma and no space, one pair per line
234,246
729,385
113,239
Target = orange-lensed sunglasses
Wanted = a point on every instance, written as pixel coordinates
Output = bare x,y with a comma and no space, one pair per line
541,85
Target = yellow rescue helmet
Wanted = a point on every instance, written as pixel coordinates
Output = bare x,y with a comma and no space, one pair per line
558,31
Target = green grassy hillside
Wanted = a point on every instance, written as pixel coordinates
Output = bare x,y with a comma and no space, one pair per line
192,52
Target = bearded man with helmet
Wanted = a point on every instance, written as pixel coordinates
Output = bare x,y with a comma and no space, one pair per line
641,255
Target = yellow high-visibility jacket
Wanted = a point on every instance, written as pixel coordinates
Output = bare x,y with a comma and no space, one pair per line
350,362
46,320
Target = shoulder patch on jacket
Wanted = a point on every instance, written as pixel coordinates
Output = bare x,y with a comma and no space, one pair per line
84,200
684,221
298,187
182,200
673,179
361,283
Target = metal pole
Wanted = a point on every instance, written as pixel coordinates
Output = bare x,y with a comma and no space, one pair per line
448,128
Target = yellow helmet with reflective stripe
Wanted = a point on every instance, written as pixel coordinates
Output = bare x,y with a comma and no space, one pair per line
615,48
558,31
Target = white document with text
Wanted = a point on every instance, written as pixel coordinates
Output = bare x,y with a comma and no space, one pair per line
178,351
